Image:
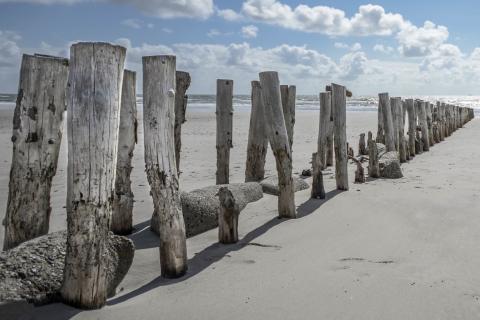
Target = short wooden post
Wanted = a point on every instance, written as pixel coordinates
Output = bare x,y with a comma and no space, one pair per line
362,147
373,165
339,107
37,133
182,84
279,142
318,190
227,217
93,115
257,137
160,166
288,94
127,138
359,173
324,127
384,101
224,129
422,116
412,126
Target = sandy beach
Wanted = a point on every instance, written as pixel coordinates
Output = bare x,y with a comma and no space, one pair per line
386,249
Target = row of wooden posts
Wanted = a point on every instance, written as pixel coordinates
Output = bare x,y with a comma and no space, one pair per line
100,99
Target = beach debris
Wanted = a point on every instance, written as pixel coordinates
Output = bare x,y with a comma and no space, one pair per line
224,129
127,138
160,165
288,95
227,216
37,135
182,83
318,190
257,137
339,111
33,271
306,172
270,185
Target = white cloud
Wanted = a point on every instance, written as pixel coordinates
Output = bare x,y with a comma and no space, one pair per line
249,31
420,41
132,23
383,49
9,49
354,47
229,14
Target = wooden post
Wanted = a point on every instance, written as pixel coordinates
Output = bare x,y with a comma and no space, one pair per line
324,127
359,173
381,127
127,138
257,137
441,109
279,142
412,126
224,129
93,115
429,111
384,101
182,84
395,105
339,107
227,217
399,128
329,156
405,142
288,94
422,117
373,165
318,190
362,148
36,137
160,166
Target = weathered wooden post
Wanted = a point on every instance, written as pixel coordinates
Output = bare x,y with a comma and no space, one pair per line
279,142
359,173
395,105
288,94
428,108
94,96
324,127
373,165
399,128
362,148
37,133
127,138
329,156
227,217
412,126
160,166
182,84
224,129
405,142
318,190
257,137
384,104
381,127
422,116
339,108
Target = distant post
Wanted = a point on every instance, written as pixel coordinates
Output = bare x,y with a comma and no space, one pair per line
384,104
224,129
182,84
339,107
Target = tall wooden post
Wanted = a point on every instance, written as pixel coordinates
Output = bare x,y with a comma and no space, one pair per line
224,129
384,104
412,126
429,111
279,142
381,127
127,138
182,84
36,137
257,137
288,94
422,117
160,166
395,104
324,127
329,156
94,85
339,107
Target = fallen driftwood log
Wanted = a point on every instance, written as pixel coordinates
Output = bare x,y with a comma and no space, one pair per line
33,271
270,185
200,207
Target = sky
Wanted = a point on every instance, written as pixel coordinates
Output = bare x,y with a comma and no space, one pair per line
402,47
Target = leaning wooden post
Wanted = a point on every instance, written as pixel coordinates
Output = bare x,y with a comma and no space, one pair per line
412,126
37,133
257,137
279,142
318,190
160,166
288,94
224,129
227,217
373,165
94,85
324,127
339,107
127,138
362,148
182,84
384,104
422,116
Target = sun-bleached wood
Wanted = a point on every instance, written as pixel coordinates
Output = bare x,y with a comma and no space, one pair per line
412,126
36,138
182,80
278,138
224,129
373,165
288,94
257,137
324,127
395,105
422,117
160,167
318,190
330,152
429,113
384,104
93,115
227,217
127,138
339,109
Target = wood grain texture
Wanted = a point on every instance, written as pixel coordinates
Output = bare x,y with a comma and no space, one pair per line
384,103
412,126
288,95
324,127
227,217
224,129
339,107
183,80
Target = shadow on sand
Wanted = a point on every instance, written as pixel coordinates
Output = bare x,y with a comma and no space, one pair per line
215,252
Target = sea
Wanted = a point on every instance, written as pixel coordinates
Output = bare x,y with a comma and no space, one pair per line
242,103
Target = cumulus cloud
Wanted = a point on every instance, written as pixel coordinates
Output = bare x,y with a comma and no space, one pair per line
249,31
9,49
354,47
132,23
383,49
420,41
229,14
